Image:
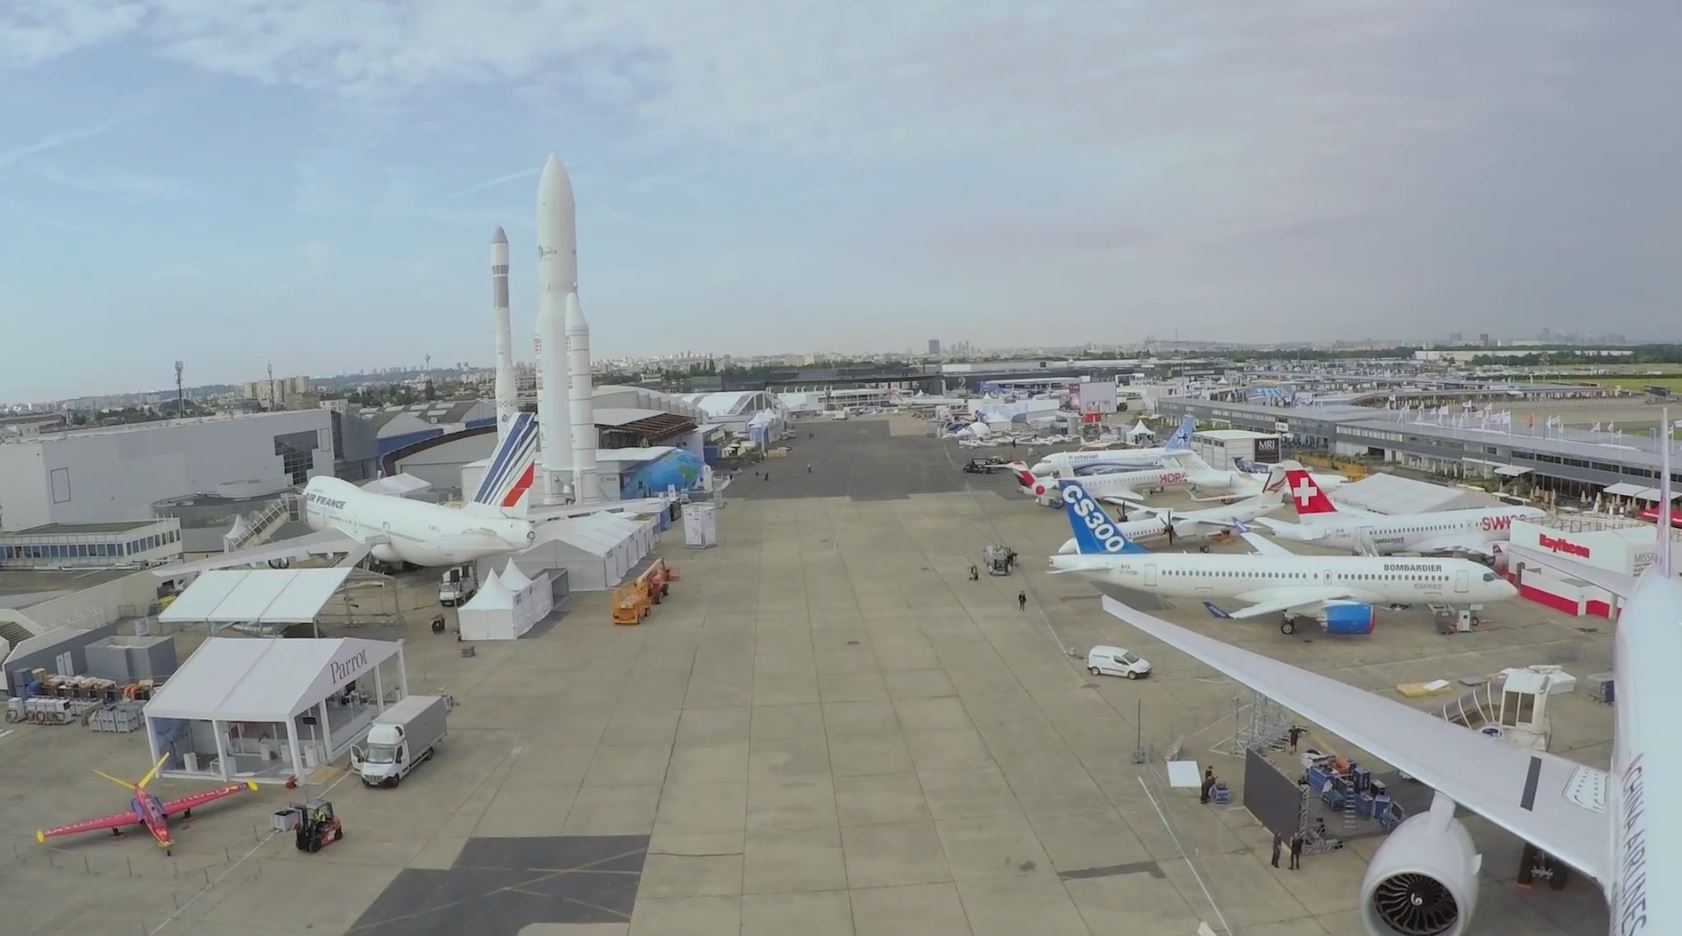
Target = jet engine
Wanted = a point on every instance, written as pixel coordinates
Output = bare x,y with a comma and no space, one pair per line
1424,879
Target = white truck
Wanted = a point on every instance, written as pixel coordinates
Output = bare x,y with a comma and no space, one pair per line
402,736
458,585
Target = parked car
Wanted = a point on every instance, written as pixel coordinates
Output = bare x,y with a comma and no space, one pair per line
1114,661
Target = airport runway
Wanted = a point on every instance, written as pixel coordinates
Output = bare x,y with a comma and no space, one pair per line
865,460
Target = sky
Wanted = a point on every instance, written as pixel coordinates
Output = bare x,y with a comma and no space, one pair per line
313,183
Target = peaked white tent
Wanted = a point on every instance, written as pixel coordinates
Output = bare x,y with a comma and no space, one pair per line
490,614
266,708
1140,433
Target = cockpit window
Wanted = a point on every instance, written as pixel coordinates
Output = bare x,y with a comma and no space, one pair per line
1489,576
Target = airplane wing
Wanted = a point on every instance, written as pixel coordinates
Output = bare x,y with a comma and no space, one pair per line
1300,531
208,796
1465,543
1289,598
1264,546
1124,497
116,821
1534,795
321,543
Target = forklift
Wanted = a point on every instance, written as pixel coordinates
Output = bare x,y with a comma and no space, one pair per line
317,826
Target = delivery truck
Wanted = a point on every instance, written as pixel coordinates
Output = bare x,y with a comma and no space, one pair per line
402,736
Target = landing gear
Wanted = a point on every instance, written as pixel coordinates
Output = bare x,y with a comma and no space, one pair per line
1288,626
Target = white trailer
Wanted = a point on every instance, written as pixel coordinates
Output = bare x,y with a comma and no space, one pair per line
402,737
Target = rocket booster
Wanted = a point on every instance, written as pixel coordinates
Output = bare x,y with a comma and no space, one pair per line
507,386
557,272
583,401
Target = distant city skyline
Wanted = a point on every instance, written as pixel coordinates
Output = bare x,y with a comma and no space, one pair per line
232,186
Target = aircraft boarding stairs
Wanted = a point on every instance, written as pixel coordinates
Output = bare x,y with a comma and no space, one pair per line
1514,714
258,528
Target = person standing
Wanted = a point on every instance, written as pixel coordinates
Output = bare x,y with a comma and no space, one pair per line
1297,731
1208,785
1277,844
1296,852
1022,602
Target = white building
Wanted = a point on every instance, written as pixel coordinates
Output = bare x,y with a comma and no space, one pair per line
93,545
1219,447
119,472
733,409
1615,544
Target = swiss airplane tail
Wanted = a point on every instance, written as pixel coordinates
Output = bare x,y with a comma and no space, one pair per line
509,476
1095,533
1305,494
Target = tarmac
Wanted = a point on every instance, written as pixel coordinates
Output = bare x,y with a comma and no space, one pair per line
826,728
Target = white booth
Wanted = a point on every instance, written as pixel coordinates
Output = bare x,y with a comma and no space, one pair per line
266,708
506,606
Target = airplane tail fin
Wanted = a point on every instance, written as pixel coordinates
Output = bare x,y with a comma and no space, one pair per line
1029,481
1661,558
122,783
153,773
1180,441
1095,533
512,468
1307,496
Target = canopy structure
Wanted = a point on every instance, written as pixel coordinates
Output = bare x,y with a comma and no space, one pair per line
258,597
1511,471
1140,431
265,708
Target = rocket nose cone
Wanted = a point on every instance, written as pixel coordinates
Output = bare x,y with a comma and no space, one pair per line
498,237
554,179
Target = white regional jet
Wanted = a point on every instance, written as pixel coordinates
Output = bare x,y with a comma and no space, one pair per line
1081,462
1622,828
1275,581
1193,526
1442,531
358,522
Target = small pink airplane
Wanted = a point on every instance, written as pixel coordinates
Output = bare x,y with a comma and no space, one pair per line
146,809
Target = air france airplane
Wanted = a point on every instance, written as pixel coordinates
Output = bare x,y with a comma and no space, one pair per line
1622,828
1441,531
358,522
1274,580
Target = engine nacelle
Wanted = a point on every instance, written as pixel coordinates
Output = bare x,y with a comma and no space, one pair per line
1424,879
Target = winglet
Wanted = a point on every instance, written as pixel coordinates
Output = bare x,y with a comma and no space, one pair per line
1661,558
40,837
1216,610
251,785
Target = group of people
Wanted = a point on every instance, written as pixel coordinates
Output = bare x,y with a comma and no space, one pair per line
1296,850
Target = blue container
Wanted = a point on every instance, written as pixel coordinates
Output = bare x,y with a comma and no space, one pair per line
1317,777
1349,619
1363,806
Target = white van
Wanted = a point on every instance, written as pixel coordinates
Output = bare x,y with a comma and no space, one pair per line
1114,661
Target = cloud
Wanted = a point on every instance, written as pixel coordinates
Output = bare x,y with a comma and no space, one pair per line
110,180
36,31
492,183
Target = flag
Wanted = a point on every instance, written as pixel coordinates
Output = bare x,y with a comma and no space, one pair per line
1611,427
1595,427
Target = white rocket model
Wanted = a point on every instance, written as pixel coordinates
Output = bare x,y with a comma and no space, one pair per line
507,386
557,276
583,403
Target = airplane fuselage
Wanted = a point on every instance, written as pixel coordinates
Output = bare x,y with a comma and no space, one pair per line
1363,578
415,532
1405,533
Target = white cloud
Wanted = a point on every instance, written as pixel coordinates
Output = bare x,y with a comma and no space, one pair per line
35,31
492,183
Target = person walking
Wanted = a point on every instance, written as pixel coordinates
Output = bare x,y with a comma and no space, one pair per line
1022,602
974,573
1277,844
1208,785
808,467
1297,731
1296,852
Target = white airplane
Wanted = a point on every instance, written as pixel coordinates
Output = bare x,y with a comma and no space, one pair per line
1274,581
1081,462
1242,480
1195,526
1118,487
1441,531
359,522
1622,828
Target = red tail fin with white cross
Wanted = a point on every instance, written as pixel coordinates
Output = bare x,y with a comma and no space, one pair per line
1305,494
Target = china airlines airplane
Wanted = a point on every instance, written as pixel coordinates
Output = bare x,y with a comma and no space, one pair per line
1441,531
1622,828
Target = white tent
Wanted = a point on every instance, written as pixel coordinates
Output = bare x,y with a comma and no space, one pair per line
490,614
257,597
516,580
264,709
1140,433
